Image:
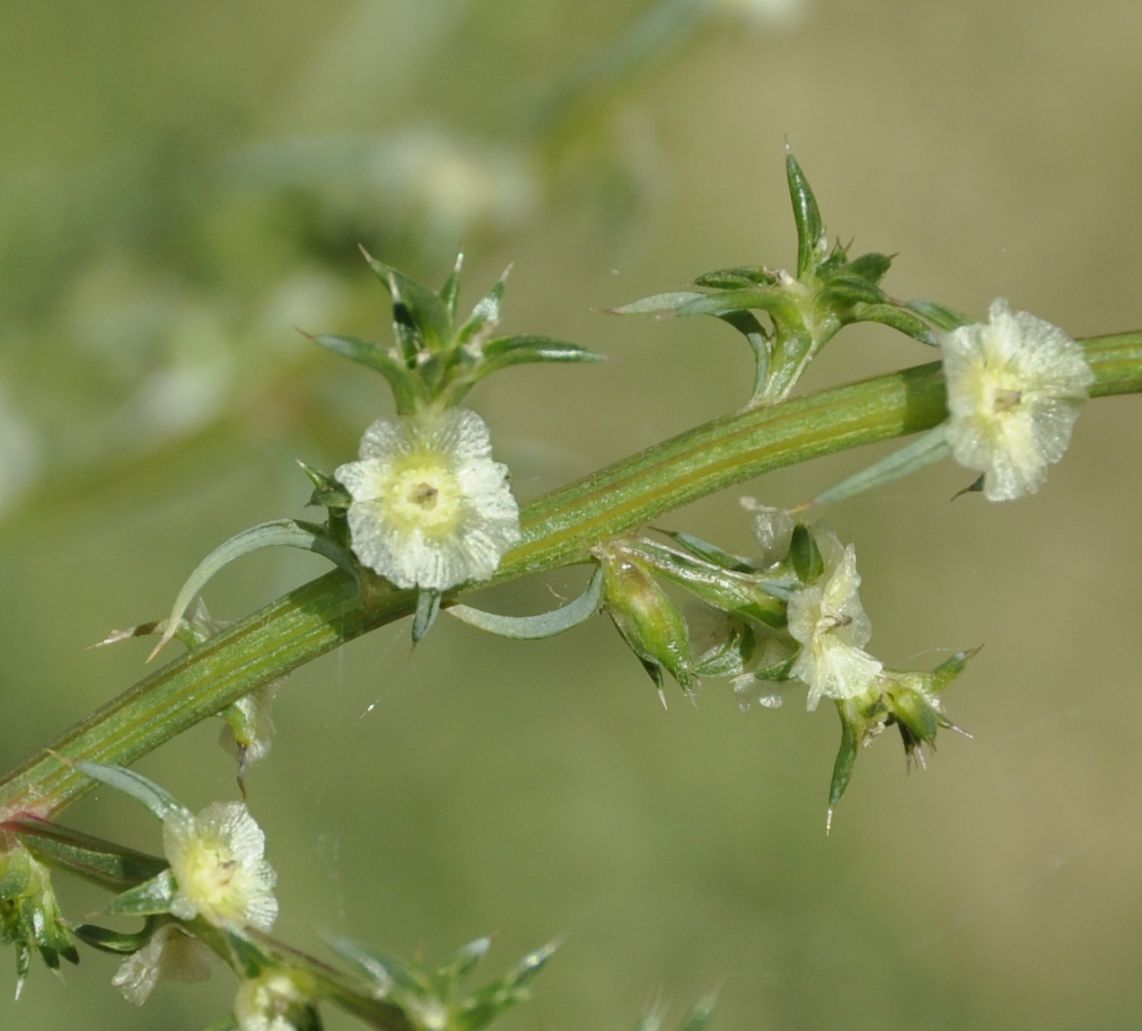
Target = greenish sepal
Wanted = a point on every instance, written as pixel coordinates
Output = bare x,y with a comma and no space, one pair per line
975,487
30,915
811,241
805,556
101,862
896,317
147,899
939,315
736,278
463,961
136,786
287,533
522,348
119,943
914,712
450,291
427,315
918,454
427,609
407,387
486,314
843,764
327,492
544,624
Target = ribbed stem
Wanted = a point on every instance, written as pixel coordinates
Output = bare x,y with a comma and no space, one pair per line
559,529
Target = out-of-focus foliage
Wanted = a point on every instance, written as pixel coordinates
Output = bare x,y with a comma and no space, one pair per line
184,189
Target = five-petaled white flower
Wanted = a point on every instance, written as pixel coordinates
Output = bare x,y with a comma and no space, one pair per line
827,619
1015,384
170,953
217,860
430,508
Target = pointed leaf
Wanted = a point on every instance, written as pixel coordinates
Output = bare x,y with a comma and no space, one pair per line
733,278
745,322
450,291
486,314
461,964
898,318
523,348
843,764
103,862
940,316
806,216
287,533
405,385
117,942
871,267
140,788
657,304
427,609
427,313
918,454
847,289
544,624
710,552
388,973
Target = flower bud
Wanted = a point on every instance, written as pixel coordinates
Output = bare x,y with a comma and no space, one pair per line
648,620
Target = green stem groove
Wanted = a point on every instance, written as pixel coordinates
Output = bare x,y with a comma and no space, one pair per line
559,529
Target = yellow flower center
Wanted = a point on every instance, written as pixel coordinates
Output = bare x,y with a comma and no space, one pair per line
424,494
208,876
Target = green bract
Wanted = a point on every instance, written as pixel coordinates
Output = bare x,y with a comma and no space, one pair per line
434,361
802,312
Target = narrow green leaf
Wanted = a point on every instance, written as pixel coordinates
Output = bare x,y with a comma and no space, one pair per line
386,972
450,291
710,552
406,387
871,266
939,315
896,317
760,298
102,862
427,312
117,942
287,533
847,289
842,765
486,314
806,216
427,609
657,304
734,278
745,322
461,964
522,348
136,786
544,624
920,453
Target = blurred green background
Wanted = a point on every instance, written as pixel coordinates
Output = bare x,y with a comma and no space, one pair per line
184,187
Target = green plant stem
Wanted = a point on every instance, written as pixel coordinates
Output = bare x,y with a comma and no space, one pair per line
559,529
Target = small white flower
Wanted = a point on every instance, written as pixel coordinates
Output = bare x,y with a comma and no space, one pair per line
272,1001
217,862
170,953
827,619
430,508
1015,384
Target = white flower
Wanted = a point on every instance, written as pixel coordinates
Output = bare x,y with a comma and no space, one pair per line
829,622
430,508
170,953
273,1001
217,862
1015,384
